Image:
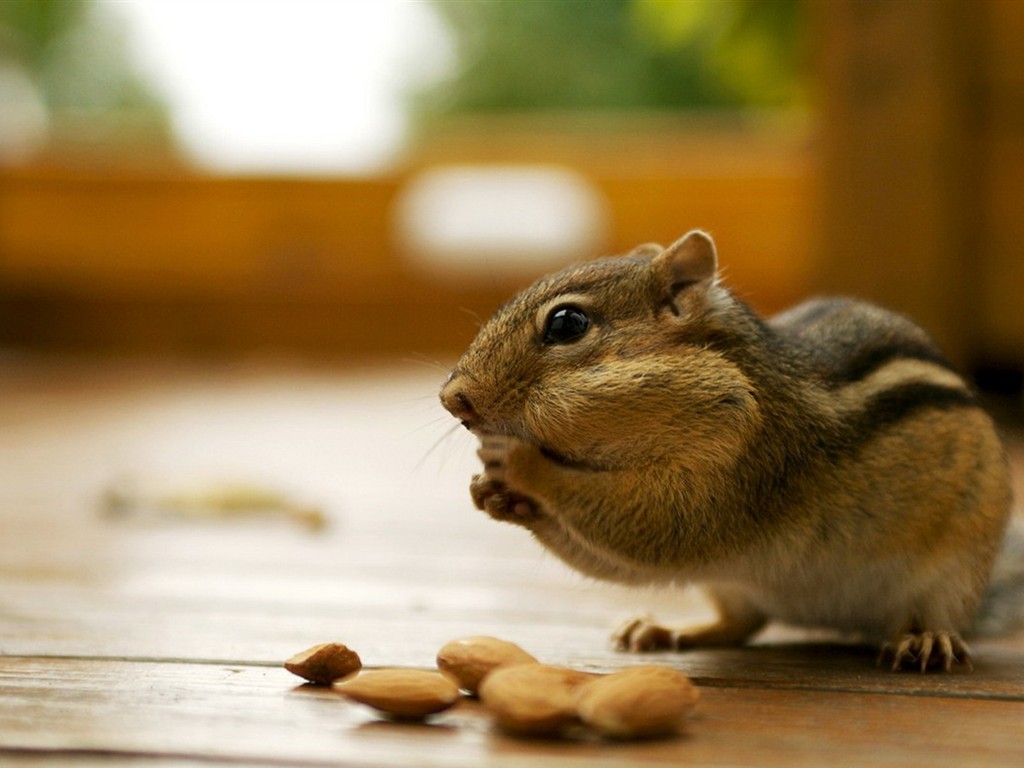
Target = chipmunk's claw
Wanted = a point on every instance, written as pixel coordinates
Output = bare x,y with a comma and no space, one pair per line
642,634
927,651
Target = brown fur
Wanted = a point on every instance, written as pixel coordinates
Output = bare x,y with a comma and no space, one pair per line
826,467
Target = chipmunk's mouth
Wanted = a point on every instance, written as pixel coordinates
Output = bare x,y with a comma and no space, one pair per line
482,431
486,430
571,463
558,458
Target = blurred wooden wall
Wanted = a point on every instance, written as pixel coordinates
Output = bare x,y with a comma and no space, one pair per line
129,262
908,188
922,168
179,264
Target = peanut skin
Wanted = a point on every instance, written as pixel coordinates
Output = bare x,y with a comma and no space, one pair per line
323,664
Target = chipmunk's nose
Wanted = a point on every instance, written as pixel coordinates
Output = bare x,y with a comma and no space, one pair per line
457,403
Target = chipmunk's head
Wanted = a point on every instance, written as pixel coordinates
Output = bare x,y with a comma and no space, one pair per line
597,363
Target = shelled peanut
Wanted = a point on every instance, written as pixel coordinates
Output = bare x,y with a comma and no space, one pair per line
406,694
640,702
323,664
533,699
470,659
525,697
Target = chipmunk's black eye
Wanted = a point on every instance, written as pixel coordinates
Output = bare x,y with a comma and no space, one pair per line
565,325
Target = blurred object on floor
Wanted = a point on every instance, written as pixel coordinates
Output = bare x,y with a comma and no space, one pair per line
134,498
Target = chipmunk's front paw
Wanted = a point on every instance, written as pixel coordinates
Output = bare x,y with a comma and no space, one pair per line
927,651
495,498
489,490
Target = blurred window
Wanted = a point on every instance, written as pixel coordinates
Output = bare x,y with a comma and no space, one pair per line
498,221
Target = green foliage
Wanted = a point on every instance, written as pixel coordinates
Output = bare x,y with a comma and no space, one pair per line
522,55
77,60
32,28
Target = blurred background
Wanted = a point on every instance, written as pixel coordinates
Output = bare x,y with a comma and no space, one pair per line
353,181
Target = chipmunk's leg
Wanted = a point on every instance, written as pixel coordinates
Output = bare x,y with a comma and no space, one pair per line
738,621
926,650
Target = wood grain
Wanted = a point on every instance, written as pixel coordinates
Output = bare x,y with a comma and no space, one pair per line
239,713
157,639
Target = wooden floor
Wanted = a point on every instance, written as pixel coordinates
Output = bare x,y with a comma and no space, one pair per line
153,633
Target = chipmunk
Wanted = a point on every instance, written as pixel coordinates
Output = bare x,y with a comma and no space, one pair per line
826,467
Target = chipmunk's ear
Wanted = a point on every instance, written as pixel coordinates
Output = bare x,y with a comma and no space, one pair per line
690,260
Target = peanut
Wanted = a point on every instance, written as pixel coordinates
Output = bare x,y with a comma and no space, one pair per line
325,663
469,660
524,697
533,699
407,694
640,702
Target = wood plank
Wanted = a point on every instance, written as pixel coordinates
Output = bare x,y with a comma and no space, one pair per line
999,260
273,591
211,712
393,577
159,639
900,149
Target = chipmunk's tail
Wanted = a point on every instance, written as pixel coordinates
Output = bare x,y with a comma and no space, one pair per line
1002,609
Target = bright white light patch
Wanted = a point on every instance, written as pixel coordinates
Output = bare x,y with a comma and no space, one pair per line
500,220
287,86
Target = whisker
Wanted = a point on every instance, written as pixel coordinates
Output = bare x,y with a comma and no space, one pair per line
419,399
472,315
437,444
420,359
433,423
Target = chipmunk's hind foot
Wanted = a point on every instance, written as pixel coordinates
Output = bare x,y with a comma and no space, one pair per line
926,651
643,634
